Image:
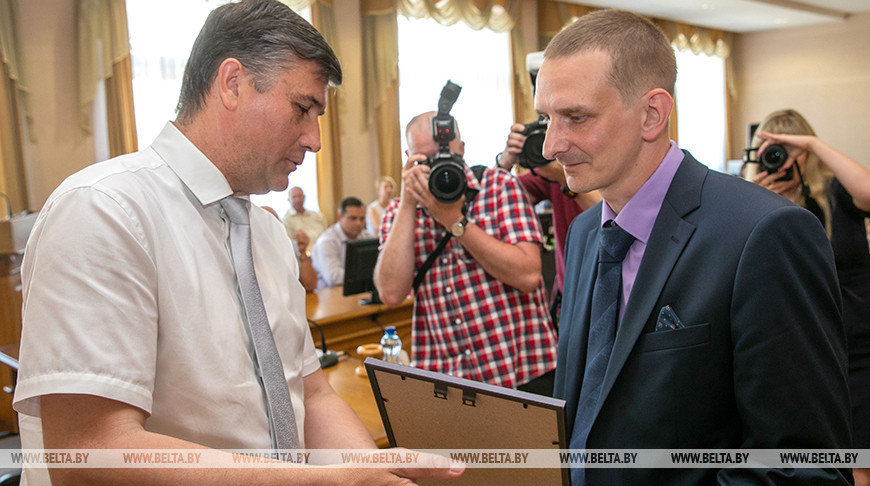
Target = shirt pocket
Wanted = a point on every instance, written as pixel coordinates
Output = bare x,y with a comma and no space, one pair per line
678,338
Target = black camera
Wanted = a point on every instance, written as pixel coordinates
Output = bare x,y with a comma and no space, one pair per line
773,157
532,155
447,181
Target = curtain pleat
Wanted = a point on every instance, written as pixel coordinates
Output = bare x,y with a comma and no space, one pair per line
104,56
329,157
13,181
380,58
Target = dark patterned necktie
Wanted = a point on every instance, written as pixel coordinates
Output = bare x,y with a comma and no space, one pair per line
614,244
267,362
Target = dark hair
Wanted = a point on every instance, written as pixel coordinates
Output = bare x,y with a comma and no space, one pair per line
349,202
641,56
265,36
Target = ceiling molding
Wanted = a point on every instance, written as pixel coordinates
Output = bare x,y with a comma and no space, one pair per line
803,7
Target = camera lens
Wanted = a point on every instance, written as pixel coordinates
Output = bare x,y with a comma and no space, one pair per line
447,180
773,157
532,155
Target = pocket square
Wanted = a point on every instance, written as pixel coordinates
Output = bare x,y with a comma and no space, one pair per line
668,320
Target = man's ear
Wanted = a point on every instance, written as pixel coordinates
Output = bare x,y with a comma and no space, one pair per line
229,79
658,104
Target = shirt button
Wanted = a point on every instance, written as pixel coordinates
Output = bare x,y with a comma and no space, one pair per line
448,290
468,352
457,321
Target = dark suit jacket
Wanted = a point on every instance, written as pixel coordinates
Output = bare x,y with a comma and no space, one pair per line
761,363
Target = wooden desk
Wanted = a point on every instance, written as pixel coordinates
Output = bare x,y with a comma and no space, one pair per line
357,392
9,357
347,324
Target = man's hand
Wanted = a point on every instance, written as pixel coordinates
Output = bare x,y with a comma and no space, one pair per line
302,241
428,466
513,147
415,180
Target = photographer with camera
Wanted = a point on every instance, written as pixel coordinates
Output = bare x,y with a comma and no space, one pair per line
479,311
796,164
545,181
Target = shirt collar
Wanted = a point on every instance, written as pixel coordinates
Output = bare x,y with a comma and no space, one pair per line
639,215
199,174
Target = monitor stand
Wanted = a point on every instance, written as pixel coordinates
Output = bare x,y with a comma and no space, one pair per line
373,299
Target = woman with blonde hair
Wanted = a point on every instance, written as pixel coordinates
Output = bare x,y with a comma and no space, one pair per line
836,189
385,187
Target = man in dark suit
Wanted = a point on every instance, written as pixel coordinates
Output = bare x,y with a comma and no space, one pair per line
726,329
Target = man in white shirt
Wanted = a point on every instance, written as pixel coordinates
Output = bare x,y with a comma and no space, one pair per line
133,334
329,251
298,219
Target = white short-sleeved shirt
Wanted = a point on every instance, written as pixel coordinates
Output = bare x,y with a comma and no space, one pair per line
130,294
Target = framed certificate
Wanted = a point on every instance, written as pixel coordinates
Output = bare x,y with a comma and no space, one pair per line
426,410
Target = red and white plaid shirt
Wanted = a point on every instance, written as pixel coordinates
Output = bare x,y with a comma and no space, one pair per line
467,323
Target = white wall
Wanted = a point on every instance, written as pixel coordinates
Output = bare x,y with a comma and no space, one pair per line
821,71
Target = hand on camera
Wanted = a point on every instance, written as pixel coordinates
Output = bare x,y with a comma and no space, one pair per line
513,147
415,180
795,145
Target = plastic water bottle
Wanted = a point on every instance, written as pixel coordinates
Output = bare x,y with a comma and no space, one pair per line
391,345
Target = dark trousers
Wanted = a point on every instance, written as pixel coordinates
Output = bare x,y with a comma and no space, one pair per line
542,385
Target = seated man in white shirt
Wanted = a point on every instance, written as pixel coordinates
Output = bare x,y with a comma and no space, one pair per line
300,220
329,250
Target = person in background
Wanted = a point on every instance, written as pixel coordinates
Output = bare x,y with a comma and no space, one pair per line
385,187
838,191
480,312
135,335
299,219
547,183
699,311
307,274
329,250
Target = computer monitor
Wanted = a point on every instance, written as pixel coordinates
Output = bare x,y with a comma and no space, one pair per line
359,266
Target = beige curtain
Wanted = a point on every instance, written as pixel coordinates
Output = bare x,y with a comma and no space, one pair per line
521,82
329,156
497,15
104,55
554,15
380,59
12,176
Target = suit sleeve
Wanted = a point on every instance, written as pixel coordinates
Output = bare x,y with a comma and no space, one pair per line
789,347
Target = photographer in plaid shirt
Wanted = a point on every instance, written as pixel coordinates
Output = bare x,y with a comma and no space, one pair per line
480,312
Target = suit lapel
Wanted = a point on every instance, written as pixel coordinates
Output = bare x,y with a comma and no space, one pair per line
670,235
574,344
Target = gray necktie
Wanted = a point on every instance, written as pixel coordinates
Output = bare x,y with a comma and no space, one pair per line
267,362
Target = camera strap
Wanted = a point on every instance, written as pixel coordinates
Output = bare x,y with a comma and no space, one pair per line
421,273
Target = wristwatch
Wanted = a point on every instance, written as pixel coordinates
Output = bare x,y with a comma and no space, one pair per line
458,229
306,255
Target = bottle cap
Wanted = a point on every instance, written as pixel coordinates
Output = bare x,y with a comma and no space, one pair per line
390,329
